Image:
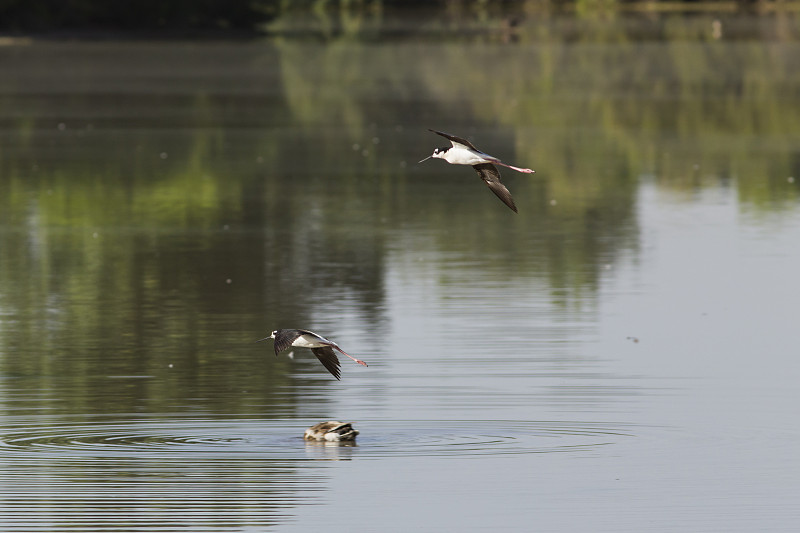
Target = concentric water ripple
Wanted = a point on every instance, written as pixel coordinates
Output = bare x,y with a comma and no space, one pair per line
215,474
280,439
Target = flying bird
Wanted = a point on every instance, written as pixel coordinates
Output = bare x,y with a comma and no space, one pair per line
463,152
320,346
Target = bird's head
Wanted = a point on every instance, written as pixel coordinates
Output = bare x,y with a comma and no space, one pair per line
438,153
272,336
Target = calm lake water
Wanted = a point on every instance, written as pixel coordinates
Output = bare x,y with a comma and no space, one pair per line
622,355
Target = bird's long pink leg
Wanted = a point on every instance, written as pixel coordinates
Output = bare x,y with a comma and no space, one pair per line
359,361
523,170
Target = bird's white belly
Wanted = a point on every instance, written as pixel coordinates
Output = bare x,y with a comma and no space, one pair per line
466,157
307,341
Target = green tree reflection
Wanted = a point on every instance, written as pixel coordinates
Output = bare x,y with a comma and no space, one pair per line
166,204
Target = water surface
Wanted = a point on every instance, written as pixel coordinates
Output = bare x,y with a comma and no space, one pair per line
619,356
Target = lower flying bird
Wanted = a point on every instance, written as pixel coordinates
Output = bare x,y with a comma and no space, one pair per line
320,346
463,152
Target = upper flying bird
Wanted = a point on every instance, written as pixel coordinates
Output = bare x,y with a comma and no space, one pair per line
320,346
463,152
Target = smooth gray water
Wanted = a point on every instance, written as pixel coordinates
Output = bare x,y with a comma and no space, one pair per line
622,355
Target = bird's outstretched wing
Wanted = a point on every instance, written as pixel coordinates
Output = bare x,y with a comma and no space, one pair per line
284,338
328,358
491,176
316,335
456,140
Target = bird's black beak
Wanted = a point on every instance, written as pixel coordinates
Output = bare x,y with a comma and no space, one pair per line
425,159
264,339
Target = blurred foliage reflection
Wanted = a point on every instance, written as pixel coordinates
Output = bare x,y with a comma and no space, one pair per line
163,205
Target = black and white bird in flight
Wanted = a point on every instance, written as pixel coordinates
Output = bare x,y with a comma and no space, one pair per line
320,346
463,152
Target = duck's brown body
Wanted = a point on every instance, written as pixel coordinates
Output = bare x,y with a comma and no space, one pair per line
331,431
